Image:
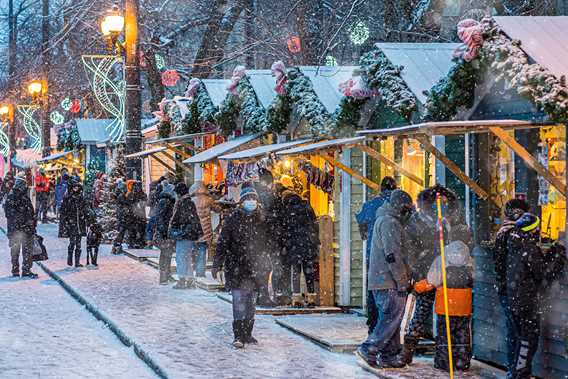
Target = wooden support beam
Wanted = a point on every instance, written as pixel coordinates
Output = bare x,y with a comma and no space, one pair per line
179,162
395,166
160,161
452,167
349,171
326,261
531,161
178,151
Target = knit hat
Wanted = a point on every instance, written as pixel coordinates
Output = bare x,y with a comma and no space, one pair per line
528,222
249,191
515,208
20,184
181,189
400,199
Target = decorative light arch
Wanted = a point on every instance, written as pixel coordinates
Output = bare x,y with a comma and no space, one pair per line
4,141
109,91
31,125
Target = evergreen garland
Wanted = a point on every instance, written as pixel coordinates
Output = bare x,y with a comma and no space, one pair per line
348,114
164,128
68,138
278,114
201,111
226,117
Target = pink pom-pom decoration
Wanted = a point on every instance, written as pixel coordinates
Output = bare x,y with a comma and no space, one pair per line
470,32
161,114
279,72
238,73
355,88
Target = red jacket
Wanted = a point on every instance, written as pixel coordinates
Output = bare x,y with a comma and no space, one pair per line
41,183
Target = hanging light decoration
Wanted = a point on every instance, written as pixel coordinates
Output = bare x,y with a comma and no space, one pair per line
294,44
66,104
56,118
75,106
359,33
330,60
160,62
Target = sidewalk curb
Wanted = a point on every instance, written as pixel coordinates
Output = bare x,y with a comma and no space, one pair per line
101,316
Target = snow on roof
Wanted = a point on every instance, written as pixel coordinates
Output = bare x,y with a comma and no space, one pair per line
217,89
92,131
55,156
262,150
322,145
543,38
26,158
177,138
326,82
142,154
221,149
263,84
424,63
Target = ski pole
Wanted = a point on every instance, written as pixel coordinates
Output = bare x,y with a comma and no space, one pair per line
446,307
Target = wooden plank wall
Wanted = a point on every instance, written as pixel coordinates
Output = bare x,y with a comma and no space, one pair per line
356,242
489,323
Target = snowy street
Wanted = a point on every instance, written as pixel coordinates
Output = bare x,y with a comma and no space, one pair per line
187,333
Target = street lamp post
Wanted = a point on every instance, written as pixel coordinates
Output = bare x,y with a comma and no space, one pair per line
38,91
7,115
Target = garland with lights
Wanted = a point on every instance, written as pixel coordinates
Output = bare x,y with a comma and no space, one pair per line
201,112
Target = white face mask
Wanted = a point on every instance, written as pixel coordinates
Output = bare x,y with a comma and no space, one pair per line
250,205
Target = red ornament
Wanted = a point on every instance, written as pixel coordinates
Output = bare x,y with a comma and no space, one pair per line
170,78
75,106
294,44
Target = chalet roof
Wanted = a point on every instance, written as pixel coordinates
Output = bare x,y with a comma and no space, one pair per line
221,149
326,82
425,64
263,150
92,130
543,38
217,89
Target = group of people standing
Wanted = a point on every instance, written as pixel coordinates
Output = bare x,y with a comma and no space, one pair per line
403,257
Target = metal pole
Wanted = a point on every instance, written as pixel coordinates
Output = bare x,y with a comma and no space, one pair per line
133,138
11,137
46,61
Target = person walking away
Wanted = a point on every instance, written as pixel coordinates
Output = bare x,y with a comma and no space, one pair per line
73,221
185,229
42,195
301,244
459,280
155,189
366,220
137,232
240,249
423,246
94,238
389,279
123,212
204,203
98,189
20,228
61,191
164,210
514,209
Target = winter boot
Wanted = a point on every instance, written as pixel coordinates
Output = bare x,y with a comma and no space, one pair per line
78,258
238,331
88,257
394,362
312,299
181,284
297,300
164,269
249,325
69,258
368,357
30,275
283,300
95,256
408,350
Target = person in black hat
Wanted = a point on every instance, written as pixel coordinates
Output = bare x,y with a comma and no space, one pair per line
73,221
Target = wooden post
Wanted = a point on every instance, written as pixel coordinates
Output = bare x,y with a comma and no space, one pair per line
326,263
395,166
179,162
531,161
354,174
160,161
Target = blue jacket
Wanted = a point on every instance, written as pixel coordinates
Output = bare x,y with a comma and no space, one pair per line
60,191
368,215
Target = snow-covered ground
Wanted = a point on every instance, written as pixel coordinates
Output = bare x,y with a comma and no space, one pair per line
188,333
44,333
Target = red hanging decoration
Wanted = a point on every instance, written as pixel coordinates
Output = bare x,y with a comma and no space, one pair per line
75,106
294,44
170,78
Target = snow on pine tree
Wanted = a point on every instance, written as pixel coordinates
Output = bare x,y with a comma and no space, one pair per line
106,213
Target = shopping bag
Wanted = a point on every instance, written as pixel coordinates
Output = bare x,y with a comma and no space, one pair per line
39,252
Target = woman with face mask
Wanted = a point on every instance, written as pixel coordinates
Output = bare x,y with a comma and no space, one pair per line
73,221
242,252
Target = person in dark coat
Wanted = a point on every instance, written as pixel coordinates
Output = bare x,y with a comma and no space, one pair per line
514,209
240,250
390,280
20,227
186,230
155,189
60,191
73,221
366,220
7,185
123,215
300,233
164,210
94,238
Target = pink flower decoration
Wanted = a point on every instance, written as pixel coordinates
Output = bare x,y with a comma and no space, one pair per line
238,73
471,34
356,88
170,78
161,114
279,72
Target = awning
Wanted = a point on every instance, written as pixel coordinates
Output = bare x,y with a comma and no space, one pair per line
221,149
145,153
55,156
261,151
322,145
93,131
178,138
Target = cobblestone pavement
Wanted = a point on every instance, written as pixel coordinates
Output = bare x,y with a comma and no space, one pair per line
44,333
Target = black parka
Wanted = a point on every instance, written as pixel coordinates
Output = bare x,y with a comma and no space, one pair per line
242,250
73,216
300,230
422,243
185,218
164,209
19,212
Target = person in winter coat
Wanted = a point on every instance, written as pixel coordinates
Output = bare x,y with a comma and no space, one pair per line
73,221
137,225
301,244
241,249
366,220
42,194
98,188
94,238
185,229
7,185
20,227
514,209
155,189
164,210
123,214
459,281
61,191
390,280
423,247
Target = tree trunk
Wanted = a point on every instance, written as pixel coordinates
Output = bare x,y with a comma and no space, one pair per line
157,90
12,42
221,23
308,16
46,62
249,33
